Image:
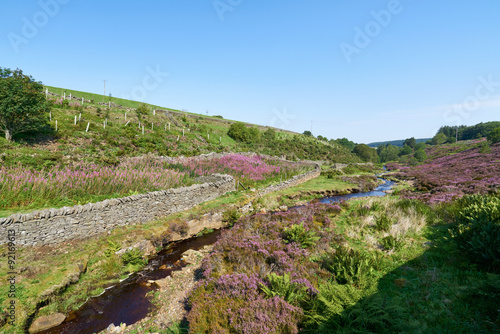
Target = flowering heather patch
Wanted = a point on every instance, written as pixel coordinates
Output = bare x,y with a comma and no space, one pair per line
247,168
229,300
234,304
22,188
452,176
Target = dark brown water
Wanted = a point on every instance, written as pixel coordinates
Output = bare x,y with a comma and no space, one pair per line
127,302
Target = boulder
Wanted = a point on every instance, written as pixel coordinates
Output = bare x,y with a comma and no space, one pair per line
47,321
191,256
161,283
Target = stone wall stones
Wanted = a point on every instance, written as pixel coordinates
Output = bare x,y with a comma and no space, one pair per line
52,226
296,180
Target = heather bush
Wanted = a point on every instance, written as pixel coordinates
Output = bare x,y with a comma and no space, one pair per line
235,304
454,174
249,170
477,230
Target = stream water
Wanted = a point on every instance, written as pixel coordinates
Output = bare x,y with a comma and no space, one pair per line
379,192
126,302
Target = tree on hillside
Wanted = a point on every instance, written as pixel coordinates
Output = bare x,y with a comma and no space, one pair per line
410,142
494,135
23,106
240,132
388,152
347,143
308,133
420,146
406,150
366,153
420,155
438,139
320,137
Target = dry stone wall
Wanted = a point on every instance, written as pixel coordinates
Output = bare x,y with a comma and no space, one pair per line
52,226
294,181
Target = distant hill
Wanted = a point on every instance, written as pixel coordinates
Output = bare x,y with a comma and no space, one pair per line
396,142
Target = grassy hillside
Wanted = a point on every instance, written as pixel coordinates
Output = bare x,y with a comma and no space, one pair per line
102,135
91,138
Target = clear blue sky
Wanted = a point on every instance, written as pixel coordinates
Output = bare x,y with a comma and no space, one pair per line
352,72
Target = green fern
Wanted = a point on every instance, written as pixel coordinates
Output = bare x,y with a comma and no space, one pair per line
350,266
292,292
133,256
112,248
298,234
477,231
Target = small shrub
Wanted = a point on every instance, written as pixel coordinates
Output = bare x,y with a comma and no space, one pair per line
234,304
331,173
494,135
297,233
179,227
231,216
485,148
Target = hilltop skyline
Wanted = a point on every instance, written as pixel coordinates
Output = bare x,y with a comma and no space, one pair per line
369,72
